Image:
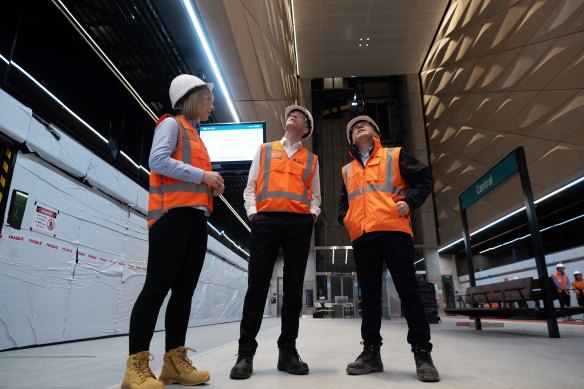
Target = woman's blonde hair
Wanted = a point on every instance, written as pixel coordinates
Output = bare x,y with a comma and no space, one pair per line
193,102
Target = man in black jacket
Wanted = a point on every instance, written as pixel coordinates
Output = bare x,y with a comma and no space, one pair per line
380,188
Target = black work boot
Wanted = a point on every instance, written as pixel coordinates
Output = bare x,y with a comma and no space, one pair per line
368,362
243,367
425,368
290,362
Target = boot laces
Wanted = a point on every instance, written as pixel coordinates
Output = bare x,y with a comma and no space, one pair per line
298,355
294,352
142,368
366,351
422,356
185,361
363,355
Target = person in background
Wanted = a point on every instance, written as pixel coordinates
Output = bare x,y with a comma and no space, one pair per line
562,283
282,201
182,187
381,186
578,286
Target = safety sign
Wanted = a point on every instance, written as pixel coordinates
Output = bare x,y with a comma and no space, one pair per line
44,219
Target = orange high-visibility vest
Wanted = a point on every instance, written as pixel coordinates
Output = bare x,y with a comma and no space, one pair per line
578,287
167,193
373,192
562,280
283,183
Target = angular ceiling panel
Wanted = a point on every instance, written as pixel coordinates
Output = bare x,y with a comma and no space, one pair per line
399,33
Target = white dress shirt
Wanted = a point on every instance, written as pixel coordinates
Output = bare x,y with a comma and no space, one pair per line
249,193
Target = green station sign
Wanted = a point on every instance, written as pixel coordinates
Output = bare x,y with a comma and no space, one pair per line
493,178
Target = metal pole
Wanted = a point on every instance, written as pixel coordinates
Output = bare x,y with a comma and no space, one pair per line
552,321
468,251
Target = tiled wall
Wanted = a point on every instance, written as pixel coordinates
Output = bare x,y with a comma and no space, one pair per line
502,74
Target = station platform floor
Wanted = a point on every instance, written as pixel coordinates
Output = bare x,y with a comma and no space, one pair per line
517,354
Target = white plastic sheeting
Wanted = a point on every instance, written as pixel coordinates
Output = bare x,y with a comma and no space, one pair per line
54,146
14,118
63,152
82,280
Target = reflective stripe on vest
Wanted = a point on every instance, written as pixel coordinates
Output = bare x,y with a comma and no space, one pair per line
296,202
562,280
372,205
388,187
166,193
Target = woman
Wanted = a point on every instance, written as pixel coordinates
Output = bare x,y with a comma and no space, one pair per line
182,187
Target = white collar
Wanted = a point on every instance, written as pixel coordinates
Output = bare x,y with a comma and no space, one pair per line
286,142
367,153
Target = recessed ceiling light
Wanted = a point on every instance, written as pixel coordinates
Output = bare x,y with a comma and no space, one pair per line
363,41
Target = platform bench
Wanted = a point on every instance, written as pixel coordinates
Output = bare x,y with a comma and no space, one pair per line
508,299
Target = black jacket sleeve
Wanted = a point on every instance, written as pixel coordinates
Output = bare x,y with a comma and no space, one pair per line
418,177
343,205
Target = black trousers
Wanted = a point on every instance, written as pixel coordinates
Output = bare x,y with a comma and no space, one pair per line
396,250
564,298
177,244
269,232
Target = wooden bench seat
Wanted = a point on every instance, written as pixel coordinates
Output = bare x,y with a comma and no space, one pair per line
508,299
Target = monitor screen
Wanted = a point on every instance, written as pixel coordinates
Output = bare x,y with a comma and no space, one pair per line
232,144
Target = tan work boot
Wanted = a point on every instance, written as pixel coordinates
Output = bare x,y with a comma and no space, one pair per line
178,368
138,374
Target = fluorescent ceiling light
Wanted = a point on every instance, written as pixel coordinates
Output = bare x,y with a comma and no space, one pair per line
528,235
232,242
52,96
563,188
104,58
203,39
235,213
201,35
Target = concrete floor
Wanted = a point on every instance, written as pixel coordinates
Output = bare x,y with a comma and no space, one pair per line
517,355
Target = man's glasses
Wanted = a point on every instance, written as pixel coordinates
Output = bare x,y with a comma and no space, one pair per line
297,114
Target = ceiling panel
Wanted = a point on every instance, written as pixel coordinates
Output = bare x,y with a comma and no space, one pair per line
400,34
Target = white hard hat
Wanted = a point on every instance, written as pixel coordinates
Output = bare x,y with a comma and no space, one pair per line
181,85
576,272
560,265
310,123
362,118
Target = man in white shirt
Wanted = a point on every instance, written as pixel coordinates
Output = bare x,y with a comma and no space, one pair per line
282,201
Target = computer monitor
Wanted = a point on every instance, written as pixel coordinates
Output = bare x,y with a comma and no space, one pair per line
232,146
